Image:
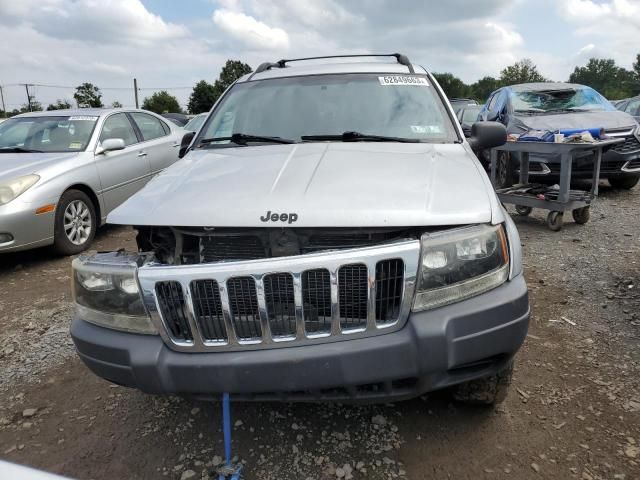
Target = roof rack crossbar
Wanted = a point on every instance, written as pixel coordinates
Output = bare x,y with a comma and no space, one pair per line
400,58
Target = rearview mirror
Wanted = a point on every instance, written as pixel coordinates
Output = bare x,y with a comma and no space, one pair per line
184,144
110,145
487,135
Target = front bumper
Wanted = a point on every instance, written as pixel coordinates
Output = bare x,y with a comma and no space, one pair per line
27,230
435,349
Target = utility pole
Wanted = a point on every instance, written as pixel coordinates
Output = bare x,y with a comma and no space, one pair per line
4,109
26,87
135,90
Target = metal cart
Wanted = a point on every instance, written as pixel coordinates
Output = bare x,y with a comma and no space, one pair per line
578,201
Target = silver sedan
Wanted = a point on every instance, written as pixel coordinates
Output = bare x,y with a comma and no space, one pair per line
63,171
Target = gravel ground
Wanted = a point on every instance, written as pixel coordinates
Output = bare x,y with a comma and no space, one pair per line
573,411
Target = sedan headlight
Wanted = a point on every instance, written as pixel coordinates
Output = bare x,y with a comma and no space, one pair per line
106,292
15,187
461,263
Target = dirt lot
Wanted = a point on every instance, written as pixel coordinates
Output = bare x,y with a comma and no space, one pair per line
573,411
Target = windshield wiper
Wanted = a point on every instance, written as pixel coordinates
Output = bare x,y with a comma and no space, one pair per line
18,150
243,138
358,137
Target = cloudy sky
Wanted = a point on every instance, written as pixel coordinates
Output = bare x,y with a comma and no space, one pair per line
171,45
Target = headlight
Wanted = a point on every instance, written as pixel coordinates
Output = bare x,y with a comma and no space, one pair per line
459,264
12,189
105,291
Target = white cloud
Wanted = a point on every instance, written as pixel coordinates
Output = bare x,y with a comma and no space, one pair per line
251,32
614,24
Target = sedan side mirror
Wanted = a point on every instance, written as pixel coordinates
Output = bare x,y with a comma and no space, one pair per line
184,144
487,135
110,145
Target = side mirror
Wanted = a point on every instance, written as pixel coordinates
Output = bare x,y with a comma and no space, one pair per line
184,144
487,135
110,145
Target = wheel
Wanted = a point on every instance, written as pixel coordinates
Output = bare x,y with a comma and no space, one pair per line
75,223
486,391
524,211
581,215
626,183
554,221
504,170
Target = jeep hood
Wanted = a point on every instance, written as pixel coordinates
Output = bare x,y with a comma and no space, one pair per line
324,184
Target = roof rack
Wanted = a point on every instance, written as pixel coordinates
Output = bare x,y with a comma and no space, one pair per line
401,59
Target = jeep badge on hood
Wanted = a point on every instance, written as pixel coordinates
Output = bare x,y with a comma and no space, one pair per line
279,217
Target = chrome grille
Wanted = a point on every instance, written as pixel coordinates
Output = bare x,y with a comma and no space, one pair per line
353,291
243,302
282,301
316,298
281,305
389,279
630,144
208,310
171,300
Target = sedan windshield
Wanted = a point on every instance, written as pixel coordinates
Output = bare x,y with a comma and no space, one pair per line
569,99
195,123
47,133
400,106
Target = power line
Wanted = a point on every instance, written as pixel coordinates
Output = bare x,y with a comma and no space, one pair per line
101,88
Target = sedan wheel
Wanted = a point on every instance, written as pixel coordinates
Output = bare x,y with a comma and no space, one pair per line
75,224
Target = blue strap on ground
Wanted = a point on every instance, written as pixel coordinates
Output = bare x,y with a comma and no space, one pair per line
230,472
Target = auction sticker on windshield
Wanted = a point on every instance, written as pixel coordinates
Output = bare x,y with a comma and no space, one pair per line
403,80
83,117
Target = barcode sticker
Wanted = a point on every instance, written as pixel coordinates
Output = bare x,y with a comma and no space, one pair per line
403,80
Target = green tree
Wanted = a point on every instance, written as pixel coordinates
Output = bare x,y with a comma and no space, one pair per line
162,102
606,77
202,98
116,104
453,87
88,95
232,70
60,105
483,87
523,71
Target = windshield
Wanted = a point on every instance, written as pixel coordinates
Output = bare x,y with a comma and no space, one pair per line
369,104
579,99
195,123
470,115
47,133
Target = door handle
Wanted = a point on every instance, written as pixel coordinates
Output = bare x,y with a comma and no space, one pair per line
142,154
175,145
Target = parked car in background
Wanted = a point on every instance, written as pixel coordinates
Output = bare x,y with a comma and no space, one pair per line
555,106
329,235
467,116
196,122
63,171
459,103
630,106
179,119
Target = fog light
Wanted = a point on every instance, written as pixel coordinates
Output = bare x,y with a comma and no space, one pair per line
6,237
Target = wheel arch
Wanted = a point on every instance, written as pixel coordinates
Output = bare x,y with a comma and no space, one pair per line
92,196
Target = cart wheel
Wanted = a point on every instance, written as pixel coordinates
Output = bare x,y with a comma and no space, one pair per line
524,211
581,215
554,221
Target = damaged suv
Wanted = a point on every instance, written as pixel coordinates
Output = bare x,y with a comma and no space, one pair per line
328,235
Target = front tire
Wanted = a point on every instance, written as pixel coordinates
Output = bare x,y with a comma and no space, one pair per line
624,183
487,391
504,170
75,223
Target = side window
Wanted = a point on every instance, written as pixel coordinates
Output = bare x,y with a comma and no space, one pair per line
149,126
493,100
633,108
165,127
119,126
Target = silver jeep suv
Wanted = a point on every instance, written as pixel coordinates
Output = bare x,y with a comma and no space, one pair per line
328,235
